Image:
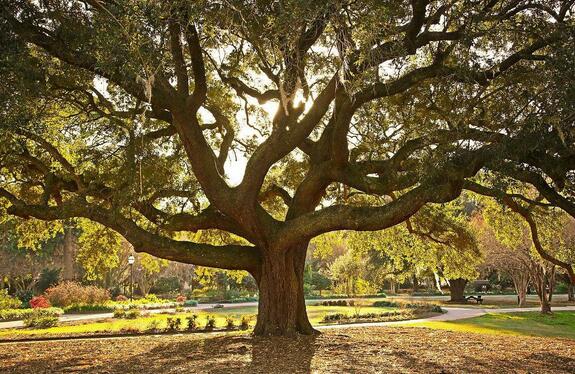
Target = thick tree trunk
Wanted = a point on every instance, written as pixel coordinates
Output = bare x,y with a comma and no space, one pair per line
521,284
521,297
570,293
415,282
281,309
69,254
457,289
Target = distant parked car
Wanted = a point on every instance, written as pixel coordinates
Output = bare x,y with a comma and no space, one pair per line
217,306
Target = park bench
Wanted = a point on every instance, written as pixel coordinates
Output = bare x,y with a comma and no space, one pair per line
478,299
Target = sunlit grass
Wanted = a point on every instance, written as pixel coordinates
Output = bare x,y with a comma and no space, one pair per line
559,324
315,313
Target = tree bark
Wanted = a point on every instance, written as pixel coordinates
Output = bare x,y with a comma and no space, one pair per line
570,293
281,306
415,282
457,289
69,253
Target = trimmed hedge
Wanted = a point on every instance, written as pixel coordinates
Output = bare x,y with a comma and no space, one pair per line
378,295
83,308
20,314
40,322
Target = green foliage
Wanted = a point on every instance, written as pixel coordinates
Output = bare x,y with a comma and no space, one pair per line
166,285
174,323
210,322
40,322
7,301
190,303
48,278
20,314
245,322
230,325
133,314
87,308
153,326
191,322
119,313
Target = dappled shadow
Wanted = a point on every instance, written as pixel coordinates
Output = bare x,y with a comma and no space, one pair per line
366,350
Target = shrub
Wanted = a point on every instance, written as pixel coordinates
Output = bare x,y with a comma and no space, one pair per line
167,285
47,279
39,302
7,301
230,323
25,296
174,323
245,323
18,314
40,322
210,322
88,308
119,313
190,303
133,314
180,299
191,322
152,298
153,326
121,298
385,303
334,317
69,293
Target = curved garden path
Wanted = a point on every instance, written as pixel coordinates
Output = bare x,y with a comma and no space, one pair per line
453,313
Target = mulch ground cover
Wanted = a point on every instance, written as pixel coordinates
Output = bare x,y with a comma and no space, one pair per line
350,350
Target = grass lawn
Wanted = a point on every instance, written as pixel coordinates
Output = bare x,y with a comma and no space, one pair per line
559,324
111,325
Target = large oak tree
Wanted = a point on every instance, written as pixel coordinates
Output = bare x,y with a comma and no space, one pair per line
137,114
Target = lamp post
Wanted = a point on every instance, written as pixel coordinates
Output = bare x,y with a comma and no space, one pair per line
131,260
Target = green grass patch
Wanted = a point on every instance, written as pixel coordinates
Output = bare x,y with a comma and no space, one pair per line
159,321
558,324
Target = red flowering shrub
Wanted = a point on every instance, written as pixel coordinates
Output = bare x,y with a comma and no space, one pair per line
181,298
39,302
121,298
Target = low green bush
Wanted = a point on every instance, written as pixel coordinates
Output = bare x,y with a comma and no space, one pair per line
191,323
83,308
368,296
153,326
385,303
230,325
133,314
245,323
7,301
40,322
119,313
191,303
19,314
174,324
210,322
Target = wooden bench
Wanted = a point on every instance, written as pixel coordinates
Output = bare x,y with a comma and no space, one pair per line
478,299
